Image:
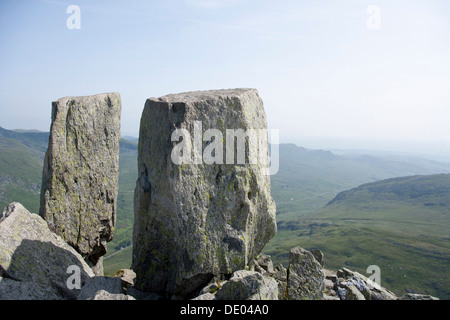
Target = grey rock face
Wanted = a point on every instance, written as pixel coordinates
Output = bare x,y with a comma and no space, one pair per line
23,290
264,263
417,296
80,175
127,276
196,220
351,285
280,276
305,280
248,285
95,284
105,295
35,258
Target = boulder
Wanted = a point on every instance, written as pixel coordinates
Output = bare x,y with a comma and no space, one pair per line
136,294
200,211
80,175
127,276
353,293
305,277
280,276
369,289
248,285
35,257
417,296
105,295
110,285
23,290
318,255
264,263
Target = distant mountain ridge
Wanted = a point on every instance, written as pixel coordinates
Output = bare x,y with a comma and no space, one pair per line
412,188
29,138
399,224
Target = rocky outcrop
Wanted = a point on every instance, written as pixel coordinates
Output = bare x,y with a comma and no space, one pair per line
34,265
346,284
99,288
248,285
37,264
350,285
34,260
305,278
80,175
417,296
196,214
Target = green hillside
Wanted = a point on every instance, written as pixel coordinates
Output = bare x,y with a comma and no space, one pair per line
402,225
21,160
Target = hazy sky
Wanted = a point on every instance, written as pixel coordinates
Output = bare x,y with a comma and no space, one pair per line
332,70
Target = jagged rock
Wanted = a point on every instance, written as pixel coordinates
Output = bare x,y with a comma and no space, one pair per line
280,276
80,175
105,295
265,263
368,288
353,293
195,220
381,294
127,276
329,297
416,296
213,286
248,285
110,285
305,276
36,257
206,296
318,255
141,295
23,290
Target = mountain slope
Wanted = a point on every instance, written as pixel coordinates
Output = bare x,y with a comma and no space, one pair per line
401,224
21,160
308,179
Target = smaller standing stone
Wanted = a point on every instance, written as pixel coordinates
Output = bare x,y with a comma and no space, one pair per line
81,172
305,280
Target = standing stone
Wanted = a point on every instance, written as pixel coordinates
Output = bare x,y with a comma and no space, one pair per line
305,280
198,218
80,176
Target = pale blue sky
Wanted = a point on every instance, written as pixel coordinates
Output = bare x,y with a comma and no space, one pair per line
323,75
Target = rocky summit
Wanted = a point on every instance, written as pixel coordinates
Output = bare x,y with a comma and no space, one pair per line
37,264
203,210
206,210
80,175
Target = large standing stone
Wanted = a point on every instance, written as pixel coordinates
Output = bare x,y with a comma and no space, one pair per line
194,220
80,176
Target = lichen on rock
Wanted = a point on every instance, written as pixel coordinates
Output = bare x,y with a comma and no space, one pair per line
80,175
